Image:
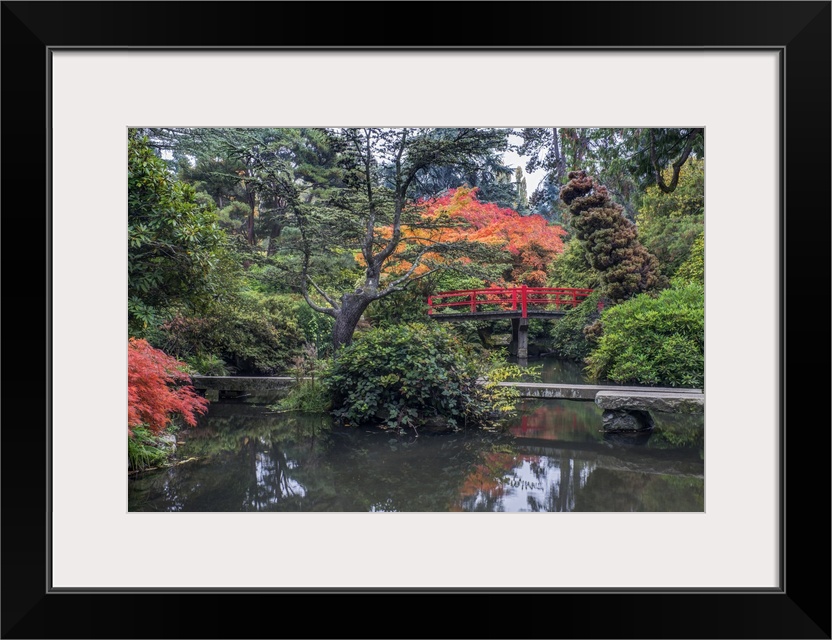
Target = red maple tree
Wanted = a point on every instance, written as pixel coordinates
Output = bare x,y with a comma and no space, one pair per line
532,242
158,389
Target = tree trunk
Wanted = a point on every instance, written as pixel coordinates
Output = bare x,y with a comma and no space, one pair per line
252,201
274,234
352,306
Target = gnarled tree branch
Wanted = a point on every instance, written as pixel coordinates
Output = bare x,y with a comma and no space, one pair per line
677,166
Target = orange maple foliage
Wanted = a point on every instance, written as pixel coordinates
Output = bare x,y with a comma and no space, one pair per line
459,215
487,479
158,389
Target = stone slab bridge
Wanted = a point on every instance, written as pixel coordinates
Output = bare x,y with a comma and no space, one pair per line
670,399
515,303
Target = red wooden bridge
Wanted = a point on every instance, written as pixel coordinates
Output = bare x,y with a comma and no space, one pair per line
498,302
517,303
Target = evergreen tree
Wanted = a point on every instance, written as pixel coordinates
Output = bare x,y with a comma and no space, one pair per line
610,240
521,204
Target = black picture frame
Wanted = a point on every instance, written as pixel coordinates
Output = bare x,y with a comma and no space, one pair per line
800,608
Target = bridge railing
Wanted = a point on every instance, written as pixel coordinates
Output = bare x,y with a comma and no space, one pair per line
508,299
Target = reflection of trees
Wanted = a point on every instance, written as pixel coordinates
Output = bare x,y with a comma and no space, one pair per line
575,421
669,493
246,462
573,474
613,491
546,483
679,430
288,462
389,473
563,481
250,460
483,488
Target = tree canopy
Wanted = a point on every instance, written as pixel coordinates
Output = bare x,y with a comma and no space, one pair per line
176,249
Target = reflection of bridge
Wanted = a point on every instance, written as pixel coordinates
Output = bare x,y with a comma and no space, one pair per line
517,303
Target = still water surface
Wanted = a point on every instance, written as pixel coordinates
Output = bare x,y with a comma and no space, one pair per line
553,457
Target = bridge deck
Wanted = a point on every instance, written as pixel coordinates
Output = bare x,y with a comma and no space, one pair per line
494,315
589,391
527,389
241,383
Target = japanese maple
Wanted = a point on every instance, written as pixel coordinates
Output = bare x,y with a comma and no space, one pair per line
158,389
459,216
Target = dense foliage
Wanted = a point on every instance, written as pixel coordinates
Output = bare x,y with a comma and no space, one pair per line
669,223
259,335
369,209
654,340
415,375
572,268
693,269
176,249
569,337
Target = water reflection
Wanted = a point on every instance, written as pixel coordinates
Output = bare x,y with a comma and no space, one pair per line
554,457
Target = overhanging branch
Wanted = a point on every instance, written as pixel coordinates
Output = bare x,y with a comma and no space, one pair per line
677,166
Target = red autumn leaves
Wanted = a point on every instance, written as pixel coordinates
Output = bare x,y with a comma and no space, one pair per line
458,215
158,389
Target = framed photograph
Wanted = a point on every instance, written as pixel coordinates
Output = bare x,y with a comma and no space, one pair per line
755,76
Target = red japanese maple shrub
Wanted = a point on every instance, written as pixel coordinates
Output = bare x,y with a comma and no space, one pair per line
158,389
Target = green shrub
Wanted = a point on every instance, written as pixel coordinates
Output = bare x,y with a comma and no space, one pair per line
671,240
567,334
316,327
145,449
257,335
414,375
305,396
654,340
207,364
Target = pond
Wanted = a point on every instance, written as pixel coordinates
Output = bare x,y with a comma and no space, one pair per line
553,456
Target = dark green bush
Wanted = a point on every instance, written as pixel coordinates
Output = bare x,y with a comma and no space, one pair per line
567,334
654,340
258,335
414,375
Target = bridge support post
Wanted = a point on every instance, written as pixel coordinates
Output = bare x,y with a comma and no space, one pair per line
520,337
